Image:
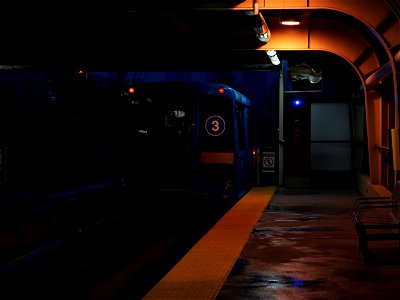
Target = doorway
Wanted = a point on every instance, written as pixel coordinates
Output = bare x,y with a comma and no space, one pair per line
317,144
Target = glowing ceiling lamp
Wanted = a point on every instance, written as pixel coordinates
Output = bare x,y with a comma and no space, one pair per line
290,19
290,22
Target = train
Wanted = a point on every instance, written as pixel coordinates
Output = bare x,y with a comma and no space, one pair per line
76,152
200,137
196,137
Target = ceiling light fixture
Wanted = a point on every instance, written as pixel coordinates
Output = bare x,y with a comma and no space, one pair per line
290,19
273,56
290,22
263,33
259,25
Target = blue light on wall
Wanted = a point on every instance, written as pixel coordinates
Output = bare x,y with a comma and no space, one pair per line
297,102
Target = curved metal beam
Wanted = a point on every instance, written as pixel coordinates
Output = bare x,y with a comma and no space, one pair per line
377,76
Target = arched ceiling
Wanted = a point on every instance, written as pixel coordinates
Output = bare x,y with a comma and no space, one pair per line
198,34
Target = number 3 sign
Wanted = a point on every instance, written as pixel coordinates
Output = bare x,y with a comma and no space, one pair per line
215,125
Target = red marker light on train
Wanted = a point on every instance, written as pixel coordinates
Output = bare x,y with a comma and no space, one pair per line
221,90
131,90
81,74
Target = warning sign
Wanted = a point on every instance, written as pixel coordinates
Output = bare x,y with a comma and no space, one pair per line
268,161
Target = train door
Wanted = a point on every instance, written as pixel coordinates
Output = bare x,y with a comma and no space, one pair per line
215,172
296,148
317,147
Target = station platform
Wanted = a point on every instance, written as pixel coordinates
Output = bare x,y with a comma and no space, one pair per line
278,243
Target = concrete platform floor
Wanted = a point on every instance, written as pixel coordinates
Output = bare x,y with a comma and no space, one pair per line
305,246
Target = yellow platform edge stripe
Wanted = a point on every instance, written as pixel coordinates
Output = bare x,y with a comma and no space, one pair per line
203,270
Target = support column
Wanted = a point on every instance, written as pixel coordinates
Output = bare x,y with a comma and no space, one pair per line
373,112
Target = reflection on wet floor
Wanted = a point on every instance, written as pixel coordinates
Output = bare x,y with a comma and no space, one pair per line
275,281
305,246
264,231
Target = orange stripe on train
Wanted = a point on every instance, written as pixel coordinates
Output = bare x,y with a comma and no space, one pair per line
217,157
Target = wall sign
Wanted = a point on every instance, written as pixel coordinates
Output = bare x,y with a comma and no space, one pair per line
268,162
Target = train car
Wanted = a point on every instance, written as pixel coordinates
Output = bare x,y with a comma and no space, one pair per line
191,136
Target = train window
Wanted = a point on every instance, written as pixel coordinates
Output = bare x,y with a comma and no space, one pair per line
175,121
172,117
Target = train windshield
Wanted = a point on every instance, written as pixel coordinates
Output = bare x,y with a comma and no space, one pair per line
161,129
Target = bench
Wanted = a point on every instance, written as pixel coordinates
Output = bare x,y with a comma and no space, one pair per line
377,219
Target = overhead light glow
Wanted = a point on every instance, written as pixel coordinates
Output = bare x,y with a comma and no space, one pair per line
290,22
291,18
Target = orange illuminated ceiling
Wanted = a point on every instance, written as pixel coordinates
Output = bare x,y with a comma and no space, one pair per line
366,33
350,29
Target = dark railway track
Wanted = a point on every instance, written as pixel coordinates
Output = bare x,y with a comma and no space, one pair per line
119,255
